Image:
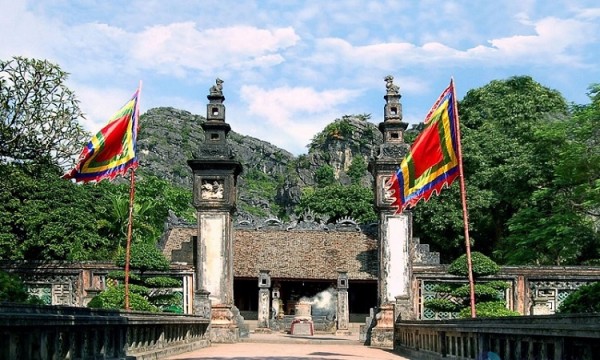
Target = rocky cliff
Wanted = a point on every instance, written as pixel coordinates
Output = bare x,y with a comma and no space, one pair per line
273,178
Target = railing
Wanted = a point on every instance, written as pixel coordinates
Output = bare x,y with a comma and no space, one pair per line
45,332
526,337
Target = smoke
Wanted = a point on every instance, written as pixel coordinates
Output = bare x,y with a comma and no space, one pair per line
324,303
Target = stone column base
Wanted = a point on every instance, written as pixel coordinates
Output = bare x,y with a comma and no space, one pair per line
223,328
224,335
382,335
382,338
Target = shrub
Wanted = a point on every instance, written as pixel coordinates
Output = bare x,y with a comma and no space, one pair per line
583,300
482,265
483,292
145,257
442,305
163,282
114,298
488,309
120,275
12,288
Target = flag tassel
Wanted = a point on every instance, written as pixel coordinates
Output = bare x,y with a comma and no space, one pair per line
463,195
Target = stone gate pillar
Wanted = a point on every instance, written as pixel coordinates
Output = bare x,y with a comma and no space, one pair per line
215,174
395,231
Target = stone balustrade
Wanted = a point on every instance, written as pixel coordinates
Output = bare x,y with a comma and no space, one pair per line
45,332
526,337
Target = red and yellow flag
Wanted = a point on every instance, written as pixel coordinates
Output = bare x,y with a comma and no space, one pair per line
112,151
432,161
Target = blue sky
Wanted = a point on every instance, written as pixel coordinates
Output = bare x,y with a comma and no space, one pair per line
291,67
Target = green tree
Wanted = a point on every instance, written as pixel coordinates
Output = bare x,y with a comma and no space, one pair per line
144,257
12,288
501,164
337,201
456,298
154,198
558,223
357,169
43,217
324,176
39,115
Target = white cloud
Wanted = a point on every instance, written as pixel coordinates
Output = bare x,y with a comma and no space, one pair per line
555,41
25,34
553,37
290,116
99,104
179,46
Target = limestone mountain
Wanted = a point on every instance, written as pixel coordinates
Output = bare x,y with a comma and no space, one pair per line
273,179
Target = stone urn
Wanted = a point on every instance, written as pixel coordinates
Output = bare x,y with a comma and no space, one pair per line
302,309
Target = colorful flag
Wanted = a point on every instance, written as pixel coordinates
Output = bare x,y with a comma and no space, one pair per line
112,151
432,161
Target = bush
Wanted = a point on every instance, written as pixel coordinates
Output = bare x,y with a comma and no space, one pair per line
488,309
114,298
583,300
12,288
163,282
483,292
442,305
120,275
482,265
145,257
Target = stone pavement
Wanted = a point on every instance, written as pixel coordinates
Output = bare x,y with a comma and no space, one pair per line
278,346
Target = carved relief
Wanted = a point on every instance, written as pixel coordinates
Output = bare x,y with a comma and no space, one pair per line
388,193
396,151
211,190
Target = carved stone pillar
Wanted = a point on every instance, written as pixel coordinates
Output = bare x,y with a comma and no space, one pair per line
395,230
215,183
264,283
343,310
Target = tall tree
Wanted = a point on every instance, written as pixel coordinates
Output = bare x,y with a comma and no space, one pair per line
39,114
338,201
558,223
502,168
43,217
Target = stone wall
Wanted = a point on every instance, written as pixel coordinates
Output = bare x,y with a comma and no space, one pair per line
533,290
76,283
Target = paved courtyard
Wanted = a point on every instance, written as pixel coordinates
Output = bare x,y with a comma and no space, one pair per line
287,347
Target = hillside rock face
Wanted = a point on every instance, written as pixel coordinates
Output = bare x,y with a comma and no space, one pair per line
273,178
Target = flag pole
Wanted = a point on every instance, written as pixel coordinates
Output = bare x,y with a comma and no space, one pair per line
463,195
129,233
131,201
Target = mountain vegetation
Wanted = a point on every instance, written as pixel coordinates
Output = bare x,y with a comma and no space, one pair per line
532,171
